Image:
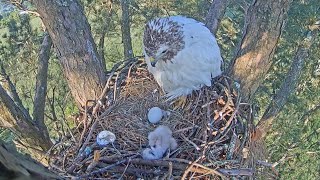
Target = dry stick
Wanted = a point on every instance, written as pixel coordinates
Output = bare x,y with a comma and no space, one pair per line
170,170
106,87
210,170
117,91
153,163
108,167
92,129
197,102
263,163
221,163
189,141
232,116
114,69
232,146
125,170
237,172
186,172
80,155
196,170
115,87
134,171
85,118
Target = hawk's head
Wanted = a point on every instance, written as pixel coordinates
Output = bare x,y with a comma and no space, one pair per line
162,40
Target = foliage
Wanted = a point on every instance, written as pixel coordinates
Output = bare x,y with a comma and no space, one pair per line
21,36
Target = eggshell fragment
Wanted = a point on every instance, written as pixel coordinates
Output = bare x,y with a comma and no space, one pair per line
105,137
155,115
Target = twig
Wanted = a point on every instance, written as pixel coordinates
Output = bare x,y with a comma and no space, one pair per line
134,171
124,171
237,172
108,167
189,141
207,170
232,146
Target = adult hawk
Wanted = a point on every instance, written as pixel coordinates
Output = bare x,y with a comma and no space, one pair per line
181,53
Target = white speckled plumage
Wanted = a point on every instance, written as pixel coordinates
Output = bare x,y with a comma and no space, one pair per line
193,66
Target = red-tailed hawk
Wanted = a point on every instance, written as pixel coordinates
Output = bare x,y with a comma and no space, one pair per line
181,53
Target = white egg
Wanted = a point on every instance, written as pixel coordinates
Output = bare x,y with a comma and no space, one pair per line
105,137
155,114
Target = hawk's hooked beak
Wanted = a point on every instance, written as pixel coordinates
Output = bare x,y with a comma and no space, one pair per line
153,61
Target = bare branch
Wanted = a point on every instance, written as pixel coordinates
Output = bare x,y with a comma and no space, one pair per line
215,14
41,84
310,112
16,110
287,87
6,82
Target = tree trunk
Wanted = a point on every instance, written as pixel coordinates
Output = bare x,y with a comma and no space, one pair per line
286,89
76,50
263,25
106,25
17,166
125,28
215,14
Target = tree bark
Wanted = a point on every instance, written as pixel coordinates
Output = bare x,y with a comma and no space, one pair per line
215,14
264,23
41,85
286,89
21,124
75,47
125,28
32,133
17,166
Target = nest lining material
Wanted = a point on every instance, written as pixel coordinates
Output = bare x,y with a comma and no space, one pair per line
211,130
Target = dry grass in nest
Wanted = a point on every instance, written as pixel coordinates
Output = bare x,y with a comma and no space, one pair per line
211,129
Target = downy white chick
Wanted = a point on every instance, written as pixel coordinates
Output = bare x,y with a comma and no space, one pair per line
160,140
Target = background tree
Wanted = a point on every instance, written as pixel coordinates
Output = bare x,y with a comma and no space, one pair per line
264,23
125,28
32,132
215,14
75,48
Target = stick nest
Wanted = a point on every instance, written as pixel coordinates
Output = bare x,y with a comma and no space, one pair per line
211,129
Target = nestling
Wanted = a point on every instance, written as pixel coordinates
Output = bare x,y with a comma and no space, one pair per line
160,140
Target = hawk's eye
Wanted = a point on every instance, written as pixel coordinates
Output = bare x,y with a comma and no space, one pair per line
164,51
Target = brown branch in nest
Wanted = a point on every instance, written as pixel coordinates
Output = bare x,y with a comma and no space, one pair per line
237,172
192,143
105,90
80,155
108,167
134,171
174,163
198,168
